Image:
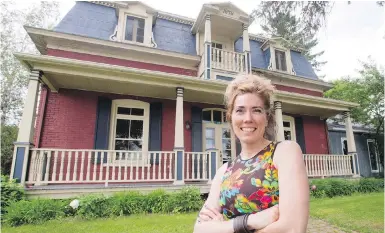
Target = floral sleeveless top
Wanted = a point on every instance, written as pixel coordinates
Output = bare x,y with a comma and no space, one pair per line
250,186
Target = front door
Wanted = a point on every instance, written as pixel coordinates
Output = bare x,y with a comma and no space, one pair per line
218,136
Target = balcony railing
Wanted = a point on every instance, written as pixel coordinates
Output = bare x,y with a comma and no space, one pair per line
318,165
227,60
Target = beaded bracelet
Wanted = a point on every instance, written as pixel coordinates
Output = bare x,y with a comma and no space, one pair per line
240,224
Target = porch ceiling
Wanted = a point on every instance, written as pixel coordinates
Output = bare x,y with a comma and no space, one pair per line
84,75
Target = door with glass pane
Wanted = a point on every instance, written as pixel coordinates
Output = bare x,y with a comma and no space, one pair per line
218,137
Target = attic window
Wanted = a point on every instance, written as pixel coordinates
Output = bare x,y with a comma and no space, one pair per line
280,60
134,29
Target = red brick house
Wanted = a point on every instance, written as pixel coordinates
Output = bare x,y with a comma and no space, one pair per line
125,96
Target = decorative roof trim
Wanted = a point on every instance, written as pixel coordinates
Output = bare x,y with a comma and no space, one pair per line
104,3
175,18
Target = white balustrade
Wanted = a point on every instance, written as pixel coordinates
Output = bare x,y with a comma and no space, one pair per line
319,165
61,166
227,60
197,166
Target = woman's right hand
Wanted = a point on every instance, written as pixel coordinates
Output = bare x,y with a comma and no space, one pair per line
264,218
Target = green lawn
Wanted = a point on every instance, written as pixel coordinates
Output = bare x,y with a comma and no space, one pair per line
363,213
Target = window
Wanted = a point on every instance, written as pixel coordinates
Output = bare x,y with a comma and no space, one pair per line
216,54
214,116
289,128
372,155
134,29
280,60
129,128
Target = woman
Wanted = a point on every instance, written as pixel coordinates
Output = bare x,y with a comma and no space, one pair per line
244,194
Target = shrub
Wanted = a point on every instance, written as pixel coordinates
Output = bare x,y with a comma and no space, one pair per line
367,185
186,200
156,201
33,211
127,203
95,206
332,187
10,192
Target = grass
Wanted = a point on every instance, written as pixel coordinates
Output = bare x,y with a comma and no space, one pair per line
156,223
360,212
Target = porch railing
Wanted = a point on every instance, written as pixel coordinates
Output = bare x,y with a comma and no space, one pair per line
227,60
319,165
99,166
197,166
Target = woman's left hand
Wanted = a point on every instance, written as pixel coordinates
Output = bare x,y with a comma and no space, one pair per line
210,214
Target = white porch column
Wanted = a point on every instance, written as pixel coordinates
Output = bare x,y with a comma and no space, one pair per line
246,48
279,120
26,129
207,47
179,138
351,142
179,131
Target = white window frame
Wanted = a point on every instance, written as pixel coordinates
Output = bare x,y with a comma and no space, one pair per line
128,103
121,27
277,65
291,120
135,29
375,151
289,63
342,145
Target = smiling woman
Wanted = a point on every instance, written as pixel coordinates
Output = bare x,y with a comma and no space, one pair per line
245,194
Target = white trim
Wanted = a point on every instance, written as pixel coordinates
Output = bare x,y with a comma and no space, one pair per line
375,152
291,120
129,103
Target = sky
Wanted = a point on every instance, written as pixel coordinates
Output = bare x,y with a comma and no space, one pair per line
352,31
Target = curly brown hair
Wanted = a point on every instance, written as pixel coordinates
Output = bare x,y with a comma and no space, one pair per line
249,83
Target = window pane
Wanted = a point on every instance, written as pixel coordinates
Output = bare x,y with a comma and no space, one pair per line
345,147
135,145
210,144
210,133
217,117
226,133
283,62
129,28
226,144
286,124
141,23
122,128
287,135
206,116
372,155
226,155
280,60
137,111
139,39
121,145
224,116
125,111
136,130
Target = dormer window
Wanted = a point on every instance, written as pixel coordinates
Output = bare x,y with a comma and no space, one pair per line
280,60
134,29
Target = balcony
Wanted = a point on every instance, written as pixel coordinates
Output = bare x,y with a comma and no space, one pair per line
228,60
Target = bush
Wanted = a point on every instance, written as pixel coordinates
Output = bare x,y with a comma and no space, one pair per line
10,192
186,200
368,185
95,206
332,187
127,203
33,211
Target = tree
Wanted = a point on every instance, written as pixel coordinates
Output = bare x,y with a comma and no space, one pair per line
368,91
8,137
13,76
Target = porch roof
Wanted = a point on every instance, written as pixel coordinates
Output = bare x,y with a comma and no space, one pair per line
85,75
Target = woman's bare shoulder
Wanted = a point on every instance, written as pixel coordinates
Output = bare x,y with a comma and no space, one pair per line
287,150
